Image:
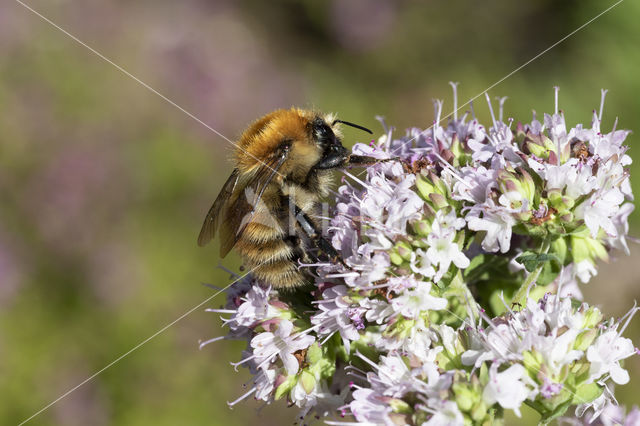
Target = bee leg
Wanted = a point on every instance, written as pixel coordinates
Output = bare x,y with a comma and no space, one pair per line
365,160
326,248
315,236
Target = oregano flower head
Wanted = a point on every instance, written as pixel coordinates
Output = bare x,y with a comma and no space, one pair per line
457,297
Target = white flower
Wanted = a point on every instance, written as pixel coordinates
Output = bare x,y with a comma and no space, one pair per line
268,345
322,401
389,205
497,223
558,312
264,382
370,266
392,376
606,146
445,413
584,270
404,206
369,408
598,405
514,200
412,303
556,351
305,398
622,228
476,352
558,131
573,177
375,199
344,235
499,145
509,388
567,284
443,251
474,184
376,310
605,355
481,151
598,210
336,315
255,307
416,342
445,222
399,284
420,263
501,342
548,327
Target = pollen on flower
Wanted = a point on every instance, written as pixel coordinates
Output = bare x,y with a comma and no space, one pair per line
457,295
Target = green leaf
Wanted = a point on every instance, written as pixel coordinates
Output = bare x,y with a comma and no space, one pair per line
549,273
476,263
559,411
531,260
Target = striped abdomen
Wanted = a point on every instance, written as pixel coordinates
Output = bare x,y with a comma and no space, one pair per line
271,255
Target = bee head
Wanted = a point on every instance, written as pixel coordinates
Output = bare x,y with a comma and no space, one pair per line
313,141
333,153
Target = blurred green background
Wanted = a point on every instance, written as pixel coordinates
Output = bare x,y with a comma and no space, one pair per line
103,185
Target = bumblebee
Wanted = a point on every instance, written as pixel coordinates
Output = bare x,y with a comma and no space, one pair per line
268,208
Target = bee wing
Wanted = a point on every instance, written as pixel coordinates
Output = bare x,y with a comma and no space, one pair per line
212,220
243,209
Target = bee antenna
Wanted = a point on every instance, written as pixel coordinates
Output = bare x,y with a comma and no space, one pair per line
352,125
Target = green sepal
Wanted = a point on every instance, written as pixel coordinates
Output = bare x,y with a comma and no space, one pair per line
559,248
587,392
424,187
583,247
285,386
479,412
395,258
400,406
314,353
439,201
592,317
537,150
422,228
585,339
308,381
532,362
404,249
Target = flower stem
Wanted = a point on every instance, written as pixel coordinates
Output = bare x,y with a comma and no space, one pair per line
520,297
459,284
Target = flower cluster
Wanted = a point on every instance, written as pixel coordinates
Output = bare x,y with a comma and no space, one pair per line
457,295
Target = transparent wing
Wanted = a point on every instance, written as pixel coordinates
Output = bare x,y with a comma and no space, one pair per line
242,209
212,220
